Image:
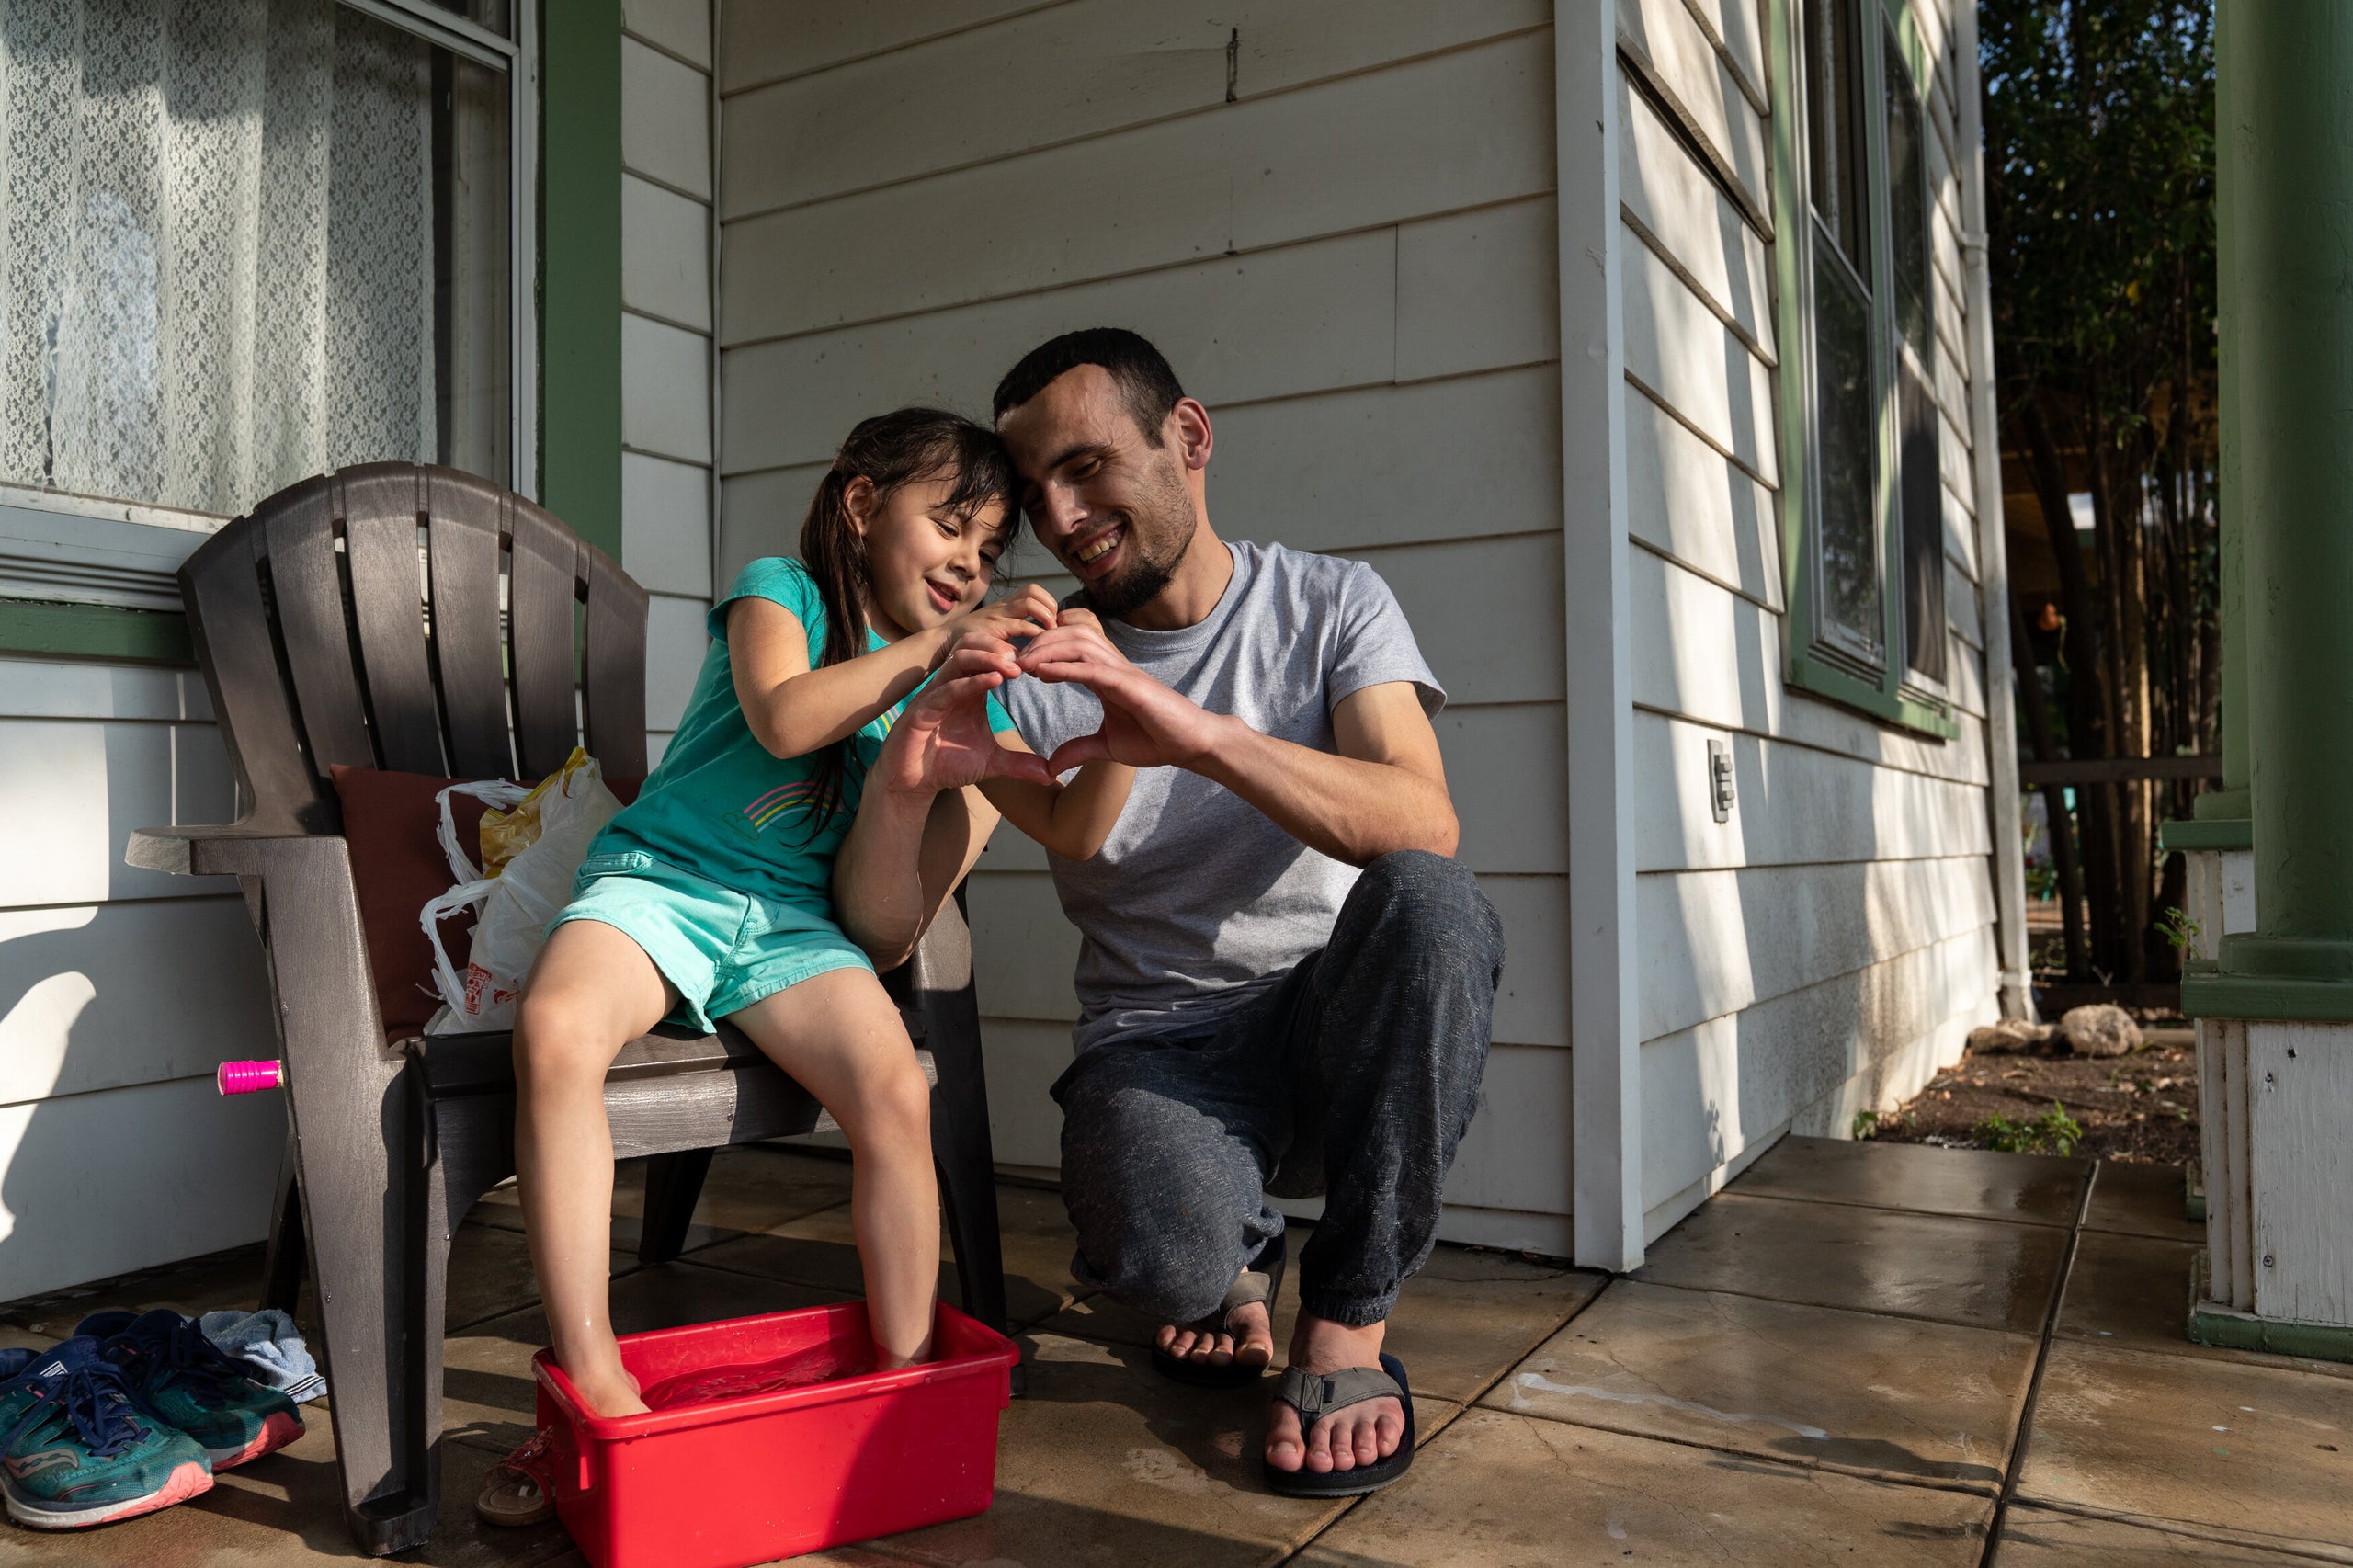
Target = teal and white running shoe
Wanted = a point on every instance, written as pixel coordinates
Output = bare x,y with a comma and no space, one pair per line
180,1377
75,1448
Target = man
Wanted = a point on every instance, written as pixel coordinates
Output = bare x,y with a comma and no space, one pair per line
1286,984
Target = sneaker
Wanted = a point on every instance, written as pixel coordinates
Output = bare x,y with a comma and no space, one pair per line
185,1380
75,1449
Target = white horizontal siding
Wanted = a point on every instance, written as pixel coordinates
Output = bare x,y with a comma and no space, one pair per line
1829,943
119,990
100,1184
667,490
1710,1090
1452,131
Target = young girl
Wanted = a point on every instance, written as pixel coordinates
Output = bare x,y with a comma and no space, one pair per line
709,897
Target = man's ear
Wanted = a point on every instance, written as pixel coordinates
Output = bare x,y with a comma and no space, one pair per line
1188,429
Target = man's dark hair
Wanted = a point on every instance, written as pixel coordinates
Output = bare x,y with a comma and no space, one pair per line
1146,383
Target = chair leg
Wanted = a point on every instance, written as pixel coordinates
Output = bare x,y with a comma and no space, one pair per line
967,1165
282,1272
673,1185
379,1271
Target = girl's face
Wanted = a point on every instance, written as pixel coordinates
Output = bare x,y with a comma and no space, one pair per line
927,563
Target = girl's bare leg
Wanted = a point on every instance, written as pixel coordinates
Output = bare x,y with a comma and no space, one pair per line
840,1035
592,992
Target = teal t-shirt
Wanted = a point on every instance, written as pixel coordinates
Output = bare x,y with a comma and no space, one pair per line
721,805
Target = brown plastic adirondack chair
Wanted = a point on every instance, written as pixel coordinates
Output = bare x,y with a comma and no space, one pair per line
319,648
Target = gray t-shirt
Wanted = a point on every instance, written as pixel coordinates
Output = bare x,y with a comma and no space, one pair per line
1198,901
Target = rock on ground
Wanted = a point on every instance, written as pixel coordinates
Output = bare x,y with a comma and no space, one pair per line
2008,1035
2101,1029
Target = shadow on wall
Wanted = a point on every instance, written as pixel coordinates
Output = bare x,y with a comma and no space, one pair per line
120,992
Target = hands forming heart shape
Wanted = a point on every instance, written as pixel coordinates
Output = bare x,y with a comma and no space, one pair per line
942,741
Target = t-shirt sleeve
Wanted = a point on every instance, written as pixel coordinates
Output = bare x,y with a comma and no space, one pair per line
999,720
1374,644
784,581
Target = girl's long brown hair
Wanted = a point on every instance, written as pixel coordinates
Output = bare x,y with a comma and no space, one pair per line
889,450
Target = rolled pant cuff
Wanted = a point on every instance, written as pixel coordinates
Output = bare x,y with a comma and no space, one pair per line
1348,1312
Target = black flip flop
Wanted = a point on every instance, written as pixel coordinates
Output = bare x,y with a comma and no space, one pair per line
1315,1395
1258,1285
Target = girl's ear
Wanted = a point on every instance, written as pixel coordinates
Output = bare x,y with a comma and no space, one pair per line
858,501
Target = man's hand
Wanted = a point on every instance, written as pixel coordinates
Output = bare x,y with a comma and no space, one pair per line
1016,617
942,739
1145,724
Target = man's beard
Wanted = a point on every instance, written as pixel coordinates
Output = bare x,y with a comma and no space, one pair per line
1169,510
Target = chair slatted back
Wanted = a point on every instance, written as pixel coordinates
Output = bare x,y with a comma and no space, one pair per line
416,618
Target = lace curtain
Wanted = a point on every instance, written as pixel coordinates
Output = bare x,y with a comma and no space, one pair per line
216,246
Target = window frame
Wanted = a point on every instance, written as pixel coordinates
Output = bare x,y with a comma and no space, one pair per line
96,577
1892,692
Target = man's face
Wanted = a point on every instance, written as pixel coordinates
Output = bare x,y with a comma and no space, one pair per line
1114,508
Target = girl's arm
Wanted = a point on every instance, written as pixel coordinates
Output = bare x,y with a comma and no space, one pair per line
1071,820
794,709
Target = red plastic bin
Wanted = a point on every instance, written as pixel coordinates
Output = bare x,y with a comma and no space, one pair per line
748,1480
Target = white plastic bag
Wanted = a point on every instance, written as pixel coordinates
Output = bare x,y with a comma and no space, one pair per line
519,899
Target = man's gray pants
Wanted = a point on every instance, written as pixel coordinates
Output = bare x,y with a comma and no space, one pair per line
1354,1076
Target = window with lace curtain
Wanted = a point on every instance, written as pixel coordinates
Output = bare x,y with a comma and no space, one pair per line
243,242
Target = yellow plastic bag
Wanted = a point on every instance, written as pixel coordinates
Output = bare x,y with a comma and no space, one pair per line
508,833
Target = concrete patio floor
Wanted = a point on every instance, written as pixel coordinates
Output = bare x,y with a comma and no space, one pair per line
1830,1361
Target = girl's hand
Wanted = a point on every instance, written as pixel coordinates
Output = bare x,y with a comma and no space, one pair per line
943,741
1016,617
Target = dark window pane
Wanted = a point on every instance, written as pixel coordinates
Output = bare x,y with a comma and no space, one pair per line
1907,203
1834,106
1844,422
1922,496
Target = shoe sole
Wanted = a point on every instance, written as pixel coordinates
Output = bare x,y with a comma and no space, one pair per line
188,1480
277,1429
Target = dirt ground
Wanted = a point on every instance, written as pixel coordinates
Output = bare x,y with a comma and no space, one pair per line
2142,1107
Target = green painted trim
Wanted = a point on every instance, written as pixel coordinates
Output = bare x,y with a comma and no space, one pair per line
1885,699
2221,1326
2211,993
93,632
2231,568
2193,1191
580,267
1909,38
2229,832
2236,805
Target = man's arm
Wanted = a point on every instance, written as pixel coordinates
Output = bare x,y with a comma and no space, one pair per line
1385,789
920,822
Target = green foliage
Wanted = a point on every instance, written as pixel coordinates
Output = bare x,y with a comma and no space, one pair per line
2052,1132
2100,130
2177,928
1865,1123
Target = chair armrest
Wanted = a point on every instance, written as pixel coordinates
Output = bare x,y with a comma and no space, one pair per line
221,850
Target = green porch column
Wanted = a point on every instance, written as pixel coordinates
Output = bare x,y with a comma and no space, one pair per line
2287,280
580,267
2232,802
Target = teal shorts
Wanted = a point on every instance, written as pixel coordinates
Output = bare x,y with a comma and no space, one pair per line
722,949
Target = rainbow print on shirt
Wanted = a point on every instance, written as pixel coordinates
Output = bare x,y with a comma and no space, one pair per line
754,818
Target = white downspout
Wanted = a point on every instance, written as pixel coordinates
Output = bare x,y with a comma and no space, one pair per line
1992,553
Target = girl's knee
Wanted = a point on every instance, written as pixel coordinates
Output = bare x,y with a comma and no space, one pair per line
558,1035
890,1100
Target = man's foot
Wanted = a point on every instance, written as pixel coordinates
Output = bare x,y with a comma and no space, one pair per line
1251,1343
1351,1436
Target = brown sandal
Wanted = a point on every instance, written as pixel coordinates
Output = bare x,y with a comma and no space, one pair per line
520,1488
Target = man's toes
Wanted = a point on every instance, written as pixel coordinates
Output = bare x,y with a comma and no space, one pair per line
1320,1456
1368,1442
1213,1348
1390,1431
1283,1450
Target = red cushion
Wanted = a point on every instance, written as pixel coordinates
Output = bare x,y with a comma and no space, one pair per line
393,822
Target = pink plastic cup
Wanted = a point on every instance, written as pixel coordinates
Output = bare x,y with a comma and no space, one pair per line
249,1078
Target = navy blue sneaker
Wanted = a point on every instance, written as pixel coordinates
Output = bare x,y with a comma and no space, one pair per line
75,1448
181,1377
